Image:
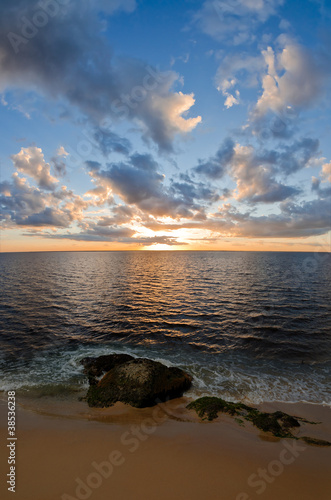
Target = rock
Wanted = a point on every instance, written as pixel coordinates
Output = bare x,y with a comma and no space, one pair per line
278,423
95,367
139,382
315,442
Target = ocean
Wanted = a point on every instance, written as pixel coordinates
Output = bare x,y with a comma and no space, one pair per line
249,326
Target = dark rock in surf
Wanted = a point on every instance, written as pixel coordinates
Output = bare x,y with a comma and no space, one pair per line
95,367
139,382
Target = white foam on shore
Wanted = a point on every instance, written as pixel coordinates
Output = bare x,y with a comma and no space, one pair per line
230,378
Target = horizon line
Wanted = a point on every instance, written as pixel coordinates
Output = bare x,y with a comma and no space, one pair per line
164,251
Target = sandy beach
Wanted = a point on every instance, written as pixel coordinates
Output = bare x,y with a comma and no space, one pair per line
163,452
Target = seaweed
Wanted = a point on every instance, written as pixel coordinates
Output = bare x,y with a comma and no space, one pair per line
278,423
315,442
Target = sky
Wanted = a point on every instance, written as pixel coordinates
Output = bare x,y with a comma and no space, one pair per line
165,125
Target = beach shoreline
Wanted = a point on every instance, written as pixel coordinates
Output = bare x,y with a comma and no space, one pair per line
163,452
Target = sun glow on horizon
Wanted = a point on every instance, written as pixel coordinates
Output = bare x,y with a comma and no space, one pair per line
160,246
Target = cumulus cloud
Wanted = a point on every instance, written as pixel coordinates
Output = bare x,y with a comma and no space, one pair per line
99,233
326,172
49,217
152,204
167,118
61,151
256,181
47,204
119,235
98,85
134,185
143,188
147,97
256,170
25,205
109,142
318,184
231,100
234,20
303,220
190,191
70,61
58,161
293,79
138,182
215,166
288,159
59,166
247,66
30,161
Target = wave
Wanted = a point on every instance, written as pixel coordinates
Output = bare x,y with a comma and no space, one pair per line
230,377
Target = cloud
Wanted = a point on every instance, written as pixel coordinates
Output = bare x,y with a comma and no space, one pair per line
215,167
318,184
255,180
323,193
303,220
111,6
48,217
294,78
147,97
30,161
109,142
151,204
99,233
294,221
18,200
326,172
58,162
166,119
144,162
121,214
284,25
289,159
134,185
247,66
234,21
59,166
61,151
191,191
102,87
255,170
296,156
231,100
139,183
42,206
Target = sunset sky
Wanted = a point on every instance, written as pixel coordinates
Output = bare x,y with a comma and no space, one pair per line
176,125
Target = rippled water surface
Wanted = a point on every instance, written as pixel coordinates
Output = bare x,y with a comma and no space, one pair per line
248,325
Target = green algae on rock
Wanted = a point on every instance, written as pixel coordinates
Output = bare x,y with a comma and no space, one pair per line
278,423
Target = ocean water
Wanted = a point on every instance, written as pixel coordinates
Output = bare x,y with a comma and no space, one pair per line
249,326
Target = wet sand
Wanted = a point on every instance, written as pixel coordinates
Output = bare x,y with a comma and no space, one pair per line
68,451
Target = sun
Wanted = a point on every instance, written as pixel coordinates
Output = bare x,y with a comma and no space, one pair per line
159,246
